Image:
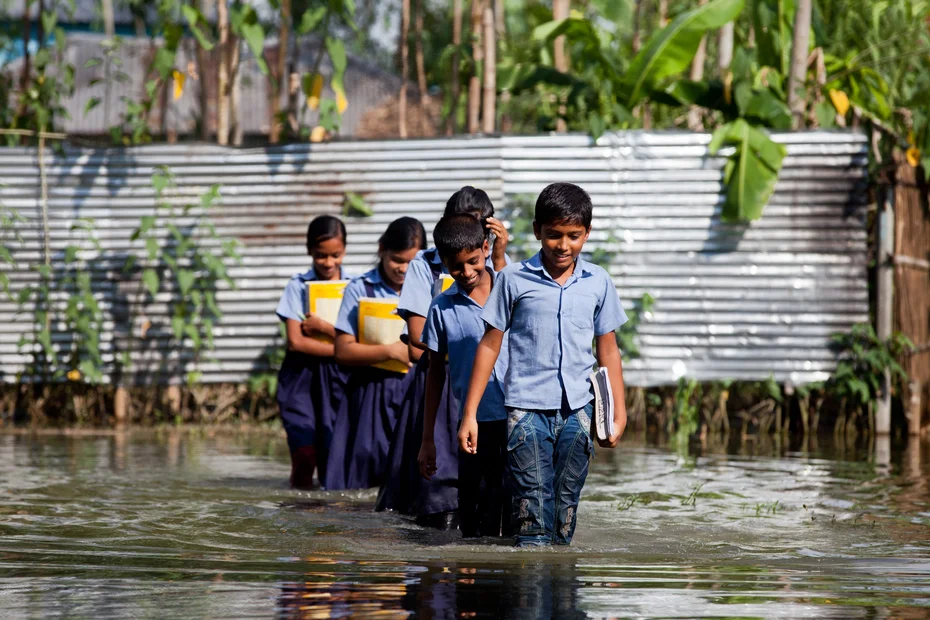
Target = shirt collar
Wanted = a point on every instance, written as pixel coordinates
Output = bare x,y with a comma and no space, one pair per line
373,276
310,275
534,263
454,290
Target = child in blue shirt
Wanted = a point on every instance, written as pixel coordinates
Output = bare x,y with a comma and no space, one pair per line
554,305
310,383
432,501
454,328
361,437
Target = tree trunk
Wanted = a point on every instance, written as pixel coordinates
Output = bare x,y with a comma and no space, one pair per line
474,85
279,75
725,49
663,13
490,72
202,75
697,74
560,10
404,67
235,94
293,84
222,82
421,69
109,24
636,41
500,30
796,78
455,90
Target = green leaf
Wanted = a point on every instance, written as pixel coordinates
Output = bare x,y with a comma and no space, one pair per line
211,197
186,279
766,109
751,172
145,225
773,25
353,204
164,62
151,246
196,20
254,36
825,114
92,103
337,55
670,50
71,253
49,19
310,20
151,281
161,179
191,332
177,326
93,62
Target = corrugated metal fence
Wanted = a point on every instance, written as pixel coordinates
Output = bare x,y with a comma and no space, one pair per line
731,301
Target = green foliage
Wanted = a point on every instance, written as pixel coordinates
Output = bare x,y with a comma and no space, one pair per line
626,335
355,205
863,361
686,412
10,219
83,317
188,263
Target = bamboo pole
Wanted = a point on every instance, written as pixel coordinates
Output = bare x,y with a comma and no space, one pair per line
474,84
404,67
455,90
697,74
278,80
796,77
222,86
421,69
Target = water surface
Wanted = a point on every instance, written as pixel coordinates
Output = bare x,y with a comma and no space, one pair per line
202,524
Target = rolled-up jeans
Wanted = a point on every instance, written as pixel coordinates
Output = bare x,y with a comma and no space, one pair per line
547,463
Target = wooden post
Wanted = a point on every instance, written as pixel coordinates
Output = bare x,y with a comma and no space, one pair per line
404,67
799,53
451,121
222,82
474,84
121,405
885,302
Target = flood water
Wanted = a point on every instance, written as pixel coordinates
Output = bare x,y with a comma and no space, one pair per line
202,524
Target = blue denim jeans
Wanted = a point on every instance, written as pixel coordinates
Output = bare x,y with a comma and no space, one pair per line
547,463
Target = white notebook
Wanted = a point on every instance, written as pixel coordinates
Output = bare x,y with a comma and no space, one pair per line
603,404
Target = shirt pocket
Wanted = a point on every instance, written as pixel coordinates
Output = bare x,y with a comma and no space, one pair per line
581,308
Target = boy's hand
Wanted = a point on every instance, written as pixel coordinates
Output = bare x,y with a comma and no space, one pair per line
468,435
427,459
619,427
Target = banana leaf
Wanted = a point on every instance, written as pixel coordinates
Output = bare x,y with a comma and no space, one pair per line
751,171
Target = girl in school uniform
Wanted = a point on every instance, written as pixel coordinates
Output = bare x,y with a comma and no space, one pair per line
433,501
310,383
362,436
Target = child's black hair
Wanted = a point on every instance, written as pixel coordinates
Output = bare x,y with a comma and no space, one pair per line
563,203
323,228
470,201
458,233
403,234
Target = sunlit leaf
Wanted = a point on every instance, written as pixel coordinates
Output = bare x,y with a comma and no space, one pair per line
151,281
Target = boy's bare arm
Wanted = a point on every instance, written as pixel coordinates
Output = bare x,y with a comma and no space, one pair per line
608,356
435,378
486,356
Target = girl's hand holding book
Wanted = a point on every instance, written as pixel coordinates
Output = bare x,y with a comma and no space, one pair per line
398,351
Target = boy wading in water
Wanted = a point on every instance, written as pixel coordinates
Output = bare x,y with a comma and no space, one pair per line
554,305
454,328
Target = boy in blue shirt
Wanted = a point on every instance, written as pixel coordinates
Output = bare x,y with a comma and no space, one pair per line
454,327
554,305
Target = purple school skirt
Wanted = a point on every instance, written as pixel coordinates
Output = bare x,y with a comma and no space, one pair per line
310,390
364,429
404,489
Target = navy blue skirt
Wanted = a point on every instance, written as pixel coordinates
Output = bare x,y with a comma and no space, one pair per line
404,489
364,429
311,390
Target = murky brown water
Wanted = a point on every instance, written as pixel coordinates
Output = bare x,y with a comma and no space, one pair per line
197,524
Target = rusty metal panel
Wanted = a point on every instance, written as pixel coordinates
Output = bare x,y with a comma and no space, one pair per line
731,301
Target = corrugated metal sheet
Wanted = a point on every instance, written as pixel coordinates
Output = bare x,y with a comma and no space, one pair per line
731,301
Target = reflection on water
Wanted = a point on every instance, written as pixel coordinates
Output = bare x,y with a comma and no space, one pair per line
149,524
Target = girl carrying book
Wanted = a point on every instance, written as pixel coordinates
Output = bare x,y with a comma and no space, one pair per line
310,383
362,435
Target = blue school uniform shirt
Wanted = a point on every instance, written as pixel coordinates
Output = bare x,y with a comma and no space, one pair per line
293,301
348,312
552,330
417,293
454,327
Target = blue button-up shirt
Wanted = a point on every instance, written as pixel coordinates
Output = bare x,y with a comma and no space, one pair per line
454,327
293,301
552,330
417,293
348,312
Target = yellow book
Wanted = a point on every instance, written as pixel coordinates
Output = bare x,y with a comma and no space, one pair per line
378,323
323,299
442,284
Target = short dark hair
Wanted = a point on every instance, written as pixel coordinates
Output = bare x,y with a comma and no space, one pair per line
470,201
323,228
458,233
563,203
403,234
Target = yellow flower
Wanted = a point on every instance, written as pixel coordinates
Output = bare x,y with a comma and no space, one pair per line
318,133
313,100
840,101
341,102
913,156
178,83
74,375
